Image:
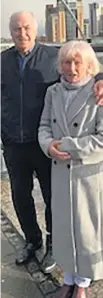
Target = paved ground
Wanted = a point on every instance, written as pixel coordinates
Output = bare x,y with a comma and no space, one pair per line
40,285
21,281
15,281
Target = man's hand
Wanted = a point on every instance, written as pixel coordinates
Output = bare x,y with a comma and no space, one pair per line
54,151
98,89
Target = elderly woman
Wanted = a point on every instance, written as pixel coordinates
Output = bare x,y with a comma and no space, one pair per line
71,133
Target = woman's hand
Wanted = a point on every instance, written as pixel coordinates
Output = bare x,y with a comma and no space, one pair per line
54,151
98,89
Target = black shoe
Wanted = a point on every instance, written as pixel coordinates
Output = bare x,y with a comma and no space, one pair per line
48,264
28,252
65,292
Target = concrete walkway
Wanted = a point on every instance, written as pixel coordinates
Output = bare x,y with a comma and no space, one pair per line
16,282
21,281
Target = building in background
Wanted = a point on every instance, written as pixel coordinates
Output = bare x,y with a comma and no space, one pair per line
101,21
86,29
93,19
48,26
96,18
55,27
71,27
80,16
60,25
55,24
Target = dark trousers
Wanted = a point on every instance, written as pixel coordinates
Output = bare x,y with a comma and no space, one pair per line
21,161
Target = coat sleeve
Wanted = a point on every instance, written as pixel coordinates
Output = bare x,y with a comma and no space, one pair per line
45,131
99,76
82,147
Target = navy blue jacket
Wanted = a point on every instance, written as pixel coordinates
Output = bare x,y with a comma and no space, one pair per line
22,94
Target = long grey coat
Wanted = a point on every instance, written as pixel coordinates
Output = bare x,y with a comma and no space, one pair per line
77,185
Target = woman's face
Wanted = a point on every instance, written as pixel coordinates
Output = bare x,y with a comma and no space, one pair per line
74,69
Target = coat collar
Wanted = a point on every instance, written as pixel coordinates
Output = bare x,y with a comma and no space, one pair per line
74,86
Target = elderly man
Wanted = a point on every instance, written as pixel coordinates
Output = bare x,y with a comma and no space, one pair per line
27,69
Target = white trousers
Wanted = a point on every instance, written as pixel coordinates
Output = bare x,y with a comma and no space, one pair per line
79,281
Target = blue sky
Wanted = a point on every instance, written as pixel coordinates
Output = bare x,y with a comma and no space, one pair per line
37,6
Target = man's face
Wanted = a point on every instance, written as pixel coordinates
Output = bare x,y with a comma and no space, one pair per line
74,69
23,32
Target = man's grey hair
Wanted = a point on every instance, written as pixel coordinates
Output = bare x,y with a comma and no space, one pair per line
16,14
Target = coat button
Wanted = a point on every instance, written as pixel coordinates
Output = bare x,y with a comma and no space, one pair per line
54,120
55,162
68,166
75,124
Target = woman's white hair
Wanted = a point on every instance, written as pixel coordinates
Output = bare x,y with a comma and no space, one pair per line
84,50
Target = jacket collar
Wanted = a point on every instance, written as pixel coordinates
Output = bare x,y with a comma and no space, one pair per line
15,62
30,51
